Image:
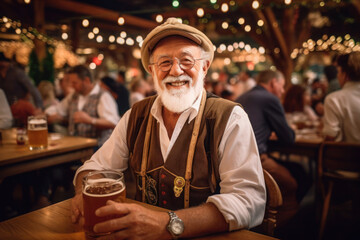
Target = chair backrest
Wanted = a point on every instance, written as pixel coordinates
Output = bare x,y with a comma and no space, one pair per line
273,202
335,157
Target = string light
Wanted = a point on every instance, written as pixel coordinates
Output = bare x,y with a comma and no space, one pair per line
121,21
224,7
200,12
175,3
225,25
287,2
255,4
96,30
111,38
241,21
85,23
159,18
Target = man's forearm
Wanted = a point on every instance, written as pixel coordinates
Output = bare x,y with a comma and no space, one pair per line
202,220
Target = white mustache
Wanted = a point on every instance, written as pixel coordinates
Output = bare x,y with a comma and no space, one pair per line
170,79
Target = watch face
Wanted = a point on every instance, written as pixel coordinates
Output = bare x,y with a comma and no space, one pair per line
177,227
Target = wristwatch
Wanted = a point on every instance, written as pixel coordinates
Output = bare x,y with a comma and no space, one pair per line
175,226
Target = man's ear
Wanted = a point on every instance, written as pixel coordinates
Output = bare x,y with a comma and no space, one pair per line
150,69
206,66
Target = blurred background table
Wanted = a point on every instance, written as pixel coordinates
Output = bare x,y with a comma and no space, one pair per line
16,159
53,222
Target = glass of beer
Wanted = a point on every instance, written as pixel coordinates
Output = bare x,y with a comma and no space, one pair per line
98,188
37,132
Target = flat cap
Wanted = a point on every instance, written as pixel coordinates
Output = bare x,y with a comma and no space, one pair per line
172,27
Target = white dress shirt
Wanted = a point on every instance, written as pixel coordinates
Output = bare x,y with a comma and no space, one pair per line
242,195
342,113
107,106
6,117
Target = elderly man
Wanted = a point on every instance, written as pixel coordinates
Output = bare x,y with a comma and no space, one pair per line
89,111
201,157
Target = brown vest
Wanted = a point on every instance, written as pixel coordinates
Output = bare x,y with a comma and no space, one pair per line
160,176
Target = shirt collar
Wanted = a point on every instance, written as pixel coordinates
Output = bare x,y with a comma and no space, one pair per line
350,84
95,90
192,112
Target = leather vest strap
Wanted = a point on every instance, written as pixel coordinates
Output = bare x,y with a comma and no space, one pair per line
190,157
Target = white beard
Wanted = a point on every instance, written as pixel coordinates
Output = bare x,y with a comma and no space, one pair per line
178,100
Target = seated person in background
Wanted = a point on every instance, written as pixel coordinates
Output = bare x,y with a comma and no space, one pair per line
6,118
330,72
90,111
297,106
123,93
266,114
46,89
227,186
342,108
22,109
16,84
118,91
138,90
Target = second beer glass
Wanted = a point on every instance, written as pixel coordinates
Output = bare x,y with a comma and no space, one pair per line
37,132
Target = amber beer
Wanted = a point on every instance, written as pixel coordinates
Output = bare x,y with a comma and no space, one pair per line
98,188
37,132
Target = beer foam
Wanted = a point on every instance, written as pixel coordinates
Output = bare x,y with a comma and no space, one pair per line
37,121
92,181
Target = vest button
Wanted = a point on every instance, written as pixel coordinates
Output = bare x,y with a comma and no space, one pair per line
163,193
163,176
164,202
162,185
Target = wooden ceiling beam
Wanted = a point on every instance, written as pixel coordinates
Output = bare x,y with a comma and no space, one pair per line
99,12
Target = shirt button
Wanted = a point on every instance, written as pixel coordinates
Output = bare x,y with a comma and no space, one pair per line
163,176
163,193
164,202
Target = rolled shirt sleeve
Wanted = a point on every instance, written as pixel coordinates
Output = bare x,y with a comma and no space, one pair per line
242,196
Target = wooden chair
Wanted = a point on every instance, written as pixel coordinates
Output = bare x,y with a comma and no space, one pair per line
334,158
273,202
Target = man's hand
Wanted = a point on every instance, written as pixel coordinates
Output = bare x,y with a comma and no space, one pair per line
77,211
82,117
132,222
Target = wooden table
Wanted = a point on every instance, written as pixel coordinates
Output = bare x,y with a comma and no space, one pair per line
307,143
53,222
15,159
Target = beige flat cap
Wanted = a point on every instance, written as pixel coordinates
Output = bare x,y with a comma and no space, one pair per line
169,28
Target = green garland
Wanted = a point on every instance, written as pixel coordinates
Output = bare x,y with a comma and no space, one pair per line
44,70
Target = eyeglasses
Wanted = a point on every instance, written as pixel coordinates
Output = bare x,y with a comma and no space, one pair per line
185,63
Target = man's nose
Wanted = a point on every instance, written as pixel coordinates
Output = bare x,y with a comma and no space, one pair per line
175,69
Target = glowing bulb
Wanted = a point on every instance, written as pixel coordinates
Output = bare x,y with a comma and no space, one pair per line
96,30
159,18
200,12
260,23
111,38
241,21
255,4
121,21
99,39
123,34
287,2
85,23
224,7
225,25
64,36
91,35
247,28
